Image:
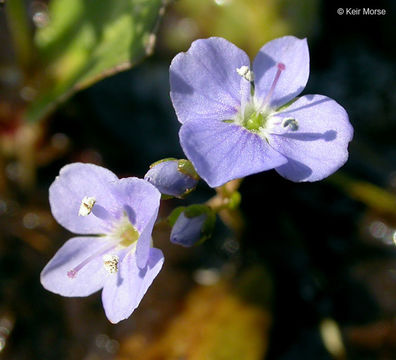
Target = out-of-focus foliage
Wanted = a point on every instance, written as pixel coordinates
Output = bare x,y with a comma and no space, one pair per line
376,198
215,323
85,41
246,23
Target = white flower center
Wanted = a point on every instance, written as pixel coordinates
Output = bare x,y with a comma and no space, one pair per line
124,235
257,115
124,232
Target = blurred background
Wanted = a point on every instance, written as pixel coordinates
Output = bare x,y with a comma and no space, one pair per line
301,271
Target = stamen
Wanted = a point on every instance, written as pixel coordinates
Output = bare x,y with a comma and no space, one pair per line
110,263
73,272
291,123
281,67
87,203
246,73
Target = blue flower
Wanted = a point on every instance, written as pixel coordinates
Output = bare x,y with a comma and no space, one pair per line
88,199
239,120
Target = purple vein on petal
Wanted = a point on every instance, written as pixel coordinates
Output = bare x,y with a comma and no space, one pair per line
219,69
216,80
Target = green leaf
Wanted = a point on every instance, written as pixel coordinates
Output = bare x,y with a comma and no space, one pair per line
21,31
87,40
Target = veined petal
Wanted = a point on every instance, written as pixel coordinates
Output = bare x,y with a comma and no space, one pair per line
204,80
76,181
89,279
122,293
140,200
319,146
294,54
143,245
221,152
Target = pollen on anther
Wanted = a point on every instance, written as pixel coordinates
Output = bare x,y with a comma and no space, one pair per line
281,66
246,73
110,263
291,123
87,203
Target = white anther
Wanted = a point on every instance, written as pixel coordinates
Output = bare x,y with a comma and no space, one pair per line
291,123
246,73
110,263
87,203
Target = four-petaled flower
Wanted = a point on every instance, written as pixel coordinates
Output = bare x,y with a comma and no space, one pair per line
88,199
238,121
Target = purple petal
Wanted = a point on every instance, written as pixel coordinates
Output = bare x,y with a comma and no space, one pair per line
144,243
169,180
140,200
122,293
89,279
294,54
76,181
221,152
320,145
204,81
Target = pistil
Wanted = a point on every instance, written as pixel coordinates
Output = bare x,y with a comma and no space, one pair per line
281,67
73,272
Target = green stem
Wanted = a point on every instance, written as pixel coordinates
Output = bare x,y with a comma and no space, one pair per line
222,204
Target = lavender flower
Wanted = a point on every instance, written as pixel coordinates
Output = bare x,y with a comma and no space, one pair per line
88,199
239,120
173,177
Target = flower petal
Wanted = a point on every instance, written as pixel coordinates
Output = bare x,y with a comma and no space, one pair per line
122,293
221,152
141,202
204,81
76,181
144,244
319,146
89,279
140,199
294,54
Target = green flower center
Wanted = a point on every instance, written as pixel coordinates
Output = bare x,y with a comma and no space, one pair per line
254,121
126,232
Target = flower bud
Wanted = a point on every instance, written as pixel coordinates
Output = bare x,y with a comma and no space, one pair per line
192,225
173,177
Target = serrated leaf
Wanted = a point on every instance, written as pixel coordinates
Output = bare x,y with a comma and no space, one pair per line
87,40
